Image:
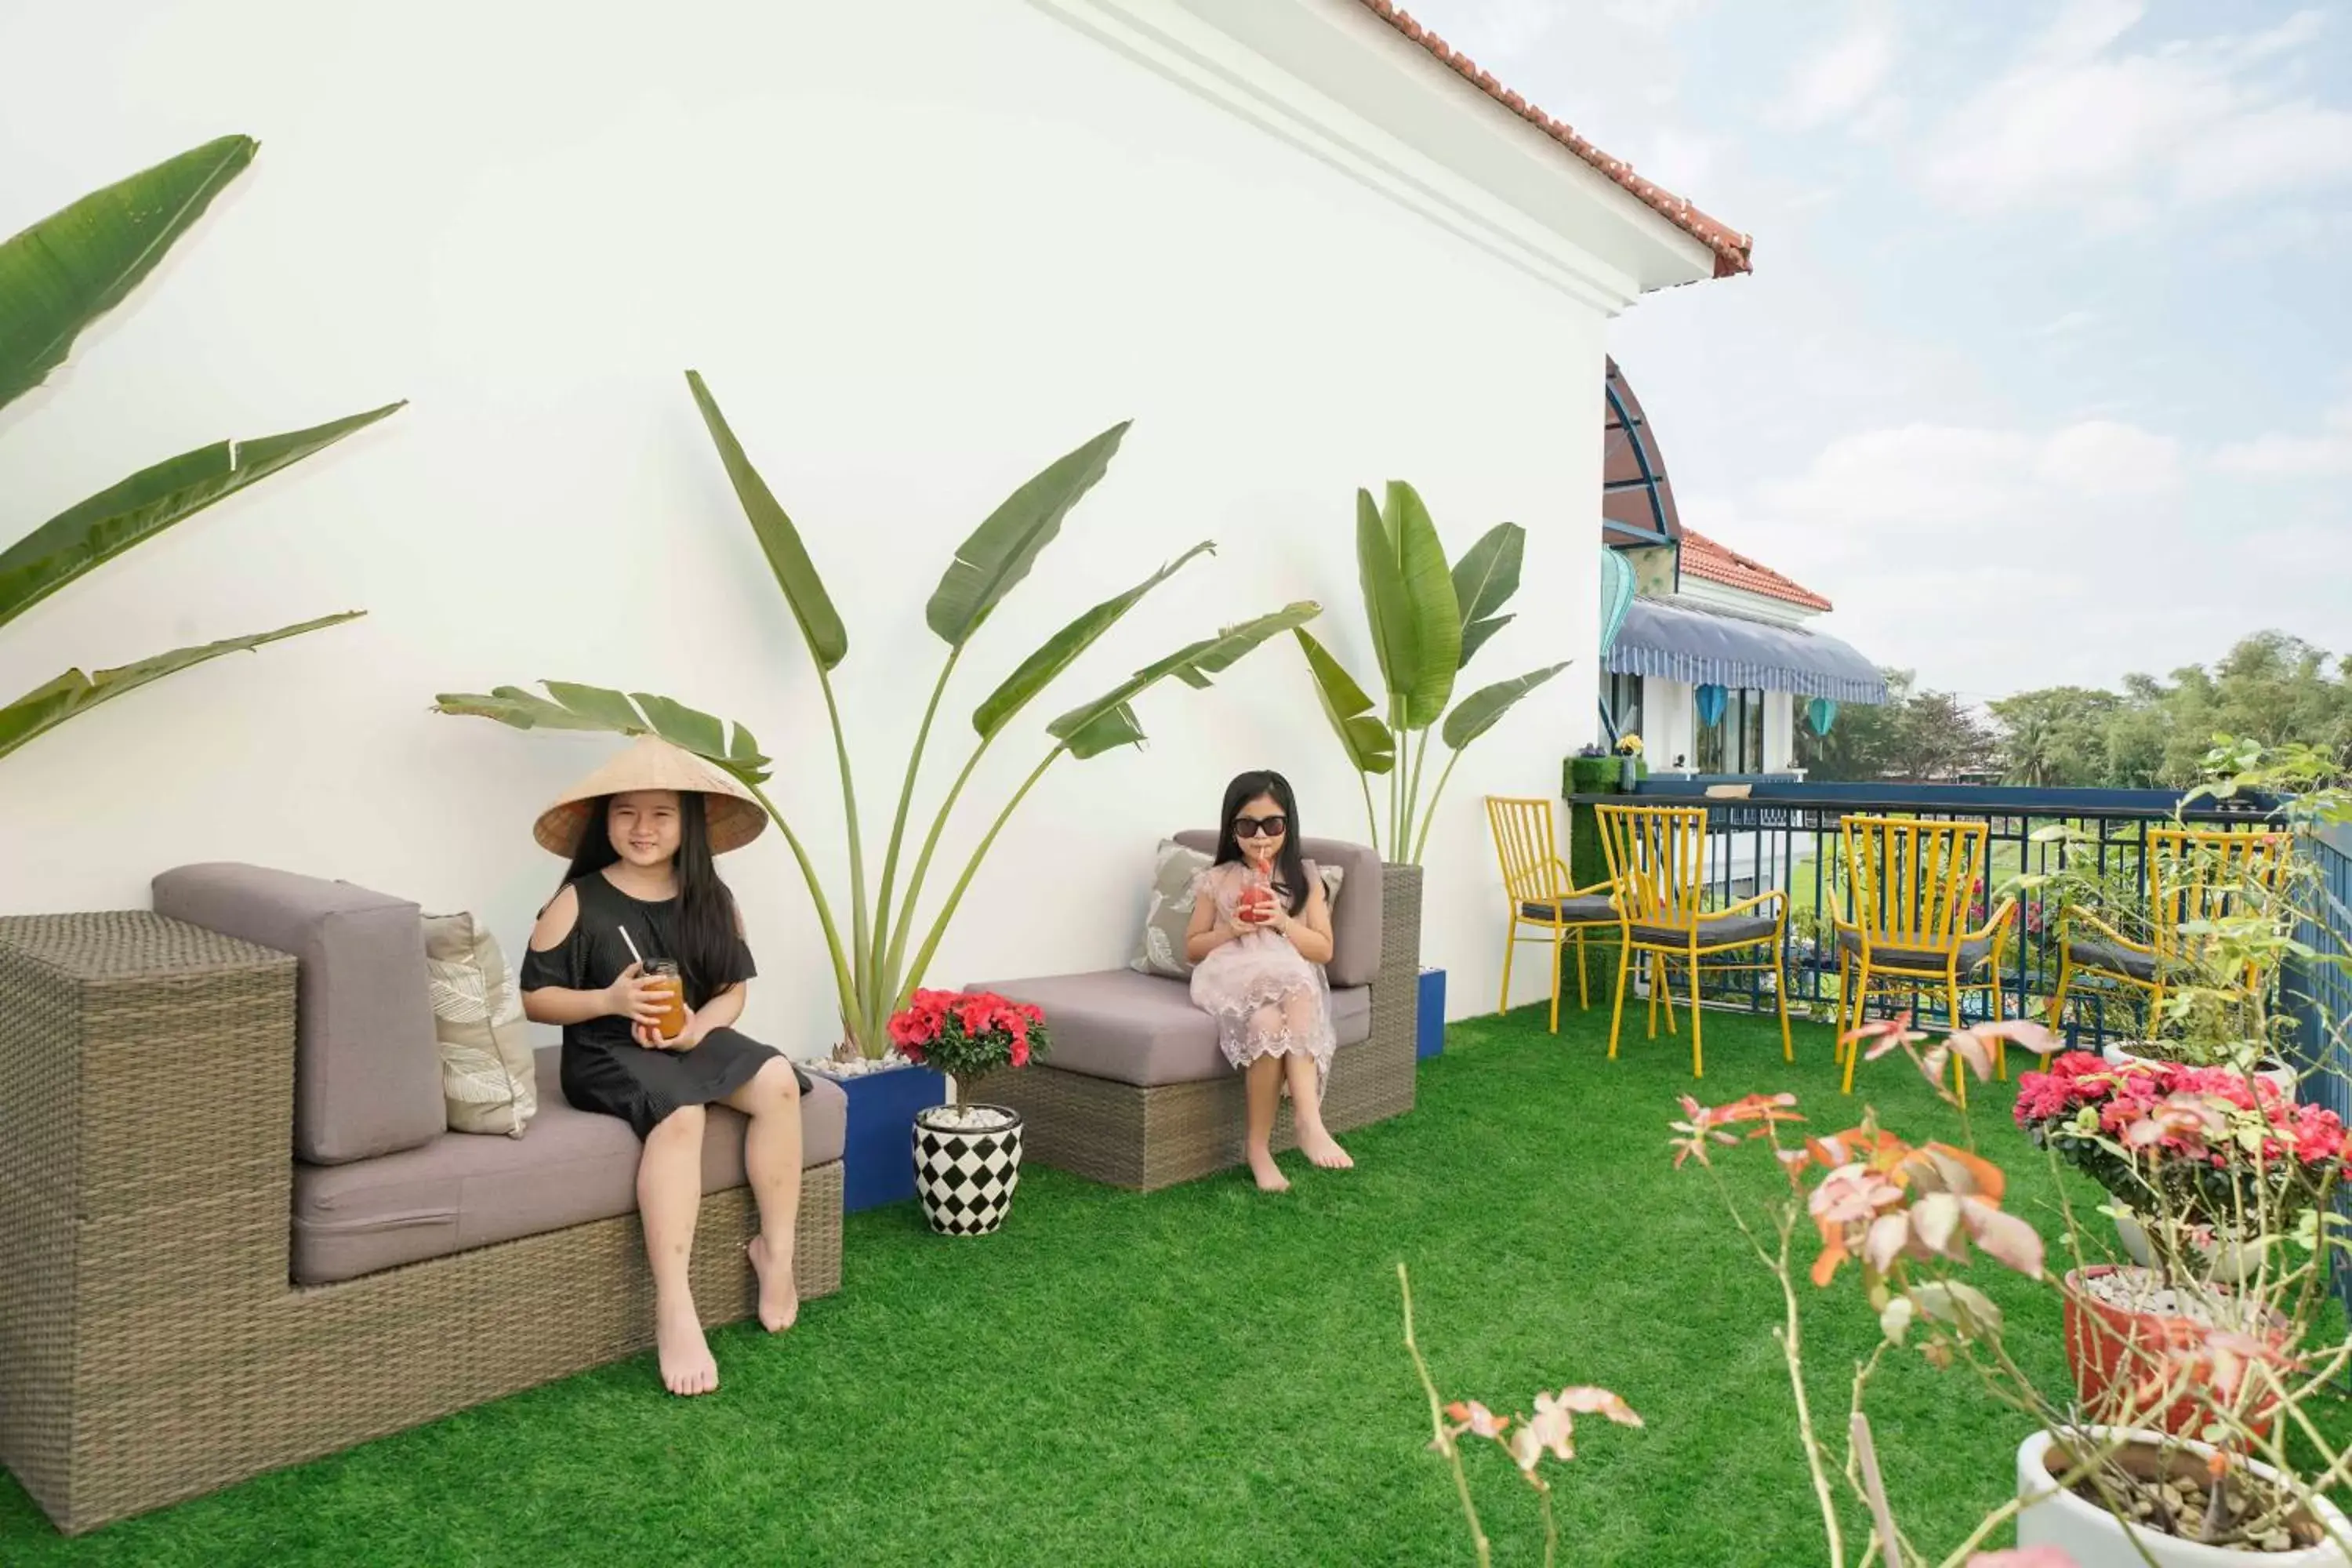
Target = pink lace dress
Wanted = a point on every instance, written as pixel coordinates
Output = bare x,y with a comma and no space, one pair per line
1266,998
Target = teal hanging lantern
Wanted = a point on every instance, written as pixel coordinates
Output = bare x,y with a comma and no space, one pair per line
1712,700
1820,714
1616,596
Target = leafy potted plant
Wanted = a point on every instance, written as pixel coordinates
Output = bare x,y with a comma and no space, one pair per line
886,943
967,1155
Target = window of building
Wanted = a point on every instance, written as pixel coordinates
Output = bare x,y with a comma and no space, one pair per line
1624,695
1737,745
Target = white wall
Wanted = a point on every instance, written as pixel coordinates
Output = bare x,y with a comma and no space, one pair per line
918,250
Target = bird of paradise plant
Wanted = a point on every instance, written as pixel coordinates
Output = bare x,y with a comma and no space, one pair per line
876,963
57,278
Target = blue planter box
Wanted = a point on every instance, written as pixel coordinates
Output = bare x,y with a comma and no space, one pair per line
1429,1022
877,1157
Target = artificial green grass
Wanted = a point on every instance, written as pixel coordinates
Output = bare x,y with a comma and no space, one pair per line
1207,1376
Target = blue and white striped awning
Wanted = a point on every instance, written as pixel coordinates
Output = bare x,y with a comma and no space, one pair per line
1704,645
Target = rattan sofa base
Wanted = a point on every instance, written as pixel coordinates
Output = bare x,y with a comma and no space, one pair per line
151,1347
1146,1138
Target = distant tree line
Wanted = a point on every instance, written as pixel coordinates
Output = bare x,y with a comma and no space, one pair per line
2273,688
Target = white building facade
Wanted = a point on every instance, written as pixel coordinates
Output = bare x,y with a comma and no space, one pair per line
918,249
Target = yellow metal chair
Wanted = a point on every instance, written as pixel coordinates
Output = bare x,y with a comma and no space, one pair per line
2193,875
1912,884
1657,873
1542,896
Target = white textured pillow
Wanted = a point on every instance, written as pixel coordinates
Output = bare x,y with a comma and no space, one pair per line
1169,913
488,1080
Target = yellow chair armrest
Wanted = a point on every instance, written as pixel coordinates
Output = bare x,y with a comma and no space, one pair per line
1766,897
2104,930
2000,918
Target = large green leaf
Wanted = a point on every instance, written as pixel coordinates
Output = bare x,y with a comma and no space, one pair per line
1095,727
1001,550
1484,581
1038,670
1409,595
46,707
599,709
1479,712
87,535
1368,742
77,264
820,622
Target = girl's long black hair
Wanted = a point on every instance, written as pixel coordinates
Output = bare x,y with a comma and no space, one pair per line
704,928
1289,867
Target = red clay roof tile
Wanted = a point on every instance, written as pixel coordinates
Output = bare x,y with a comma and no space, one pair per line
1705,559
1731,247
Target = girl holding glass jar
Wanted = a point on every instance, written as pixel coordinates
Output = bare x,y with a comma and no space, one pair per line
1261,933
640,957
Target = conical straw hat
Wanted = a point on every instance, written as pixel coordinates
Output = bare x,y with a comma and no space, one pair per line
651,762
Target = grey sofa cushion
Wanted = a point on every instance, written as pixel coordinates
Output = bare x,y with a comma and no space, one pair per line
2113,959
1355,919
367,1070
1713,931
1972,954
1143,1029
460,1191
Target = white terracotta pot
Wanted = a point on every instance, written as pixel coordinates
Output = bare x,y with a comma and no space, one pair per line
2224,1263
2121,1055
2094,1539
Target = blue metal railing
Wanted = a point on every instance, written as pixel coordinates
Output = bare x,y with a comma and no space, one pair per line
1785,835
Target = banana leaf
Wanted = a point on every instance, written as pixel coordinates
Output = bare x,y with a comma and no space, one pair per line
1408,596
77,264
45,708
1039,669
87,535
602,711
998,556
1093,728
1484,581
1479,711
811,607
1369,744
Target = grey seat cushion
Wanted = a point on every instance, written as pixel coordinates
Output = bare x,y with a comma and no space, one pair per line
1972,954
1143,1029
1713,931
1592,908
2113,959
1355,919
465,1190
367,1068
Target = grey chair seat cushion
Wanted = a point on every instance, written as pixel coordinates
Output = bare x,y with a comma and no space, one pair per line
466,1190
1713,931
1592,908
1143,1029
1886,955
2113,959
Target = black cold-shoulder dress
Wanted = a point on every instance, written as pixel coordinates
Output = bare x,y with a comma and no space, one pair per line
605,1070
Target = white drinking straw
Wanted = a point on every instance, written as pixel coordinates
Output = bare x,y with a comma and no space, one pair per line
632,946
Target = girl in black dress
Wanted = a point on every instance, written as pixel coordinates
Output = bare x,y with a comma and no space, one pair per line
642,834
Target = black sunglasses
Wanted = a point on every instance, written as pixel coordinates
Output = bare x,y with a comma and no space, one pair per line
1261,826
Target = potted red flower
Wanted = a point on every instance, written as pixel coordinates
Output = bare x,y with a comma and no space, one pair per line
966,1154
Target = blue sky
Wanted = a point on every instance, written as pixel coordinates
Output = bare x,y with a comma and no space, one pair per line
2043,375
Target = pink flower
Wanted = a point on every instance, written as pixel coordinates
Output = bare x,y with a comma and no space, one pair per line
2024,1557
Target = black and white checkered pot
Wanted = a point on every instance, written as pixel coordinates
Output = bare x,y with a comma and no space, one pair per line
965,1175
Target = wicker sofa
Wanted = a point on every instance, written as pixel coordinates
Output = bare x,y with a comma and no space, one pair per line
234,1233
1136,1092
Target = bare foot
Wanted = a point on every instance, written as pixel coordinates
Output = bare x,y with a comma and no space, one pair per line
1318,1146
1269,1175
780,1297
686,1364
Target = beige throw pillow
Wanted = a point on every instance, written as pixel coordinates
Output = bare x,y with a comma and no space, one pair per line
488,1078
1170,913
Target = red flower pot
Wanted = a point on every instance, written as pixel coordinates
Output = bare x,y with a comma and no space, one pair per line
2113,1352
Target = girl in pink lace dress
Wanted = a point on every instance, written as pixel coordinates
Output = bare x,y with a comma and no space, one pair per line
1261,933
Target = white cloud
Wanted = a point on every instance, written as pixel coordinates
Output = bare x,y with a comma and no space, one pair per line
1843,82
2276,456
2085,121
